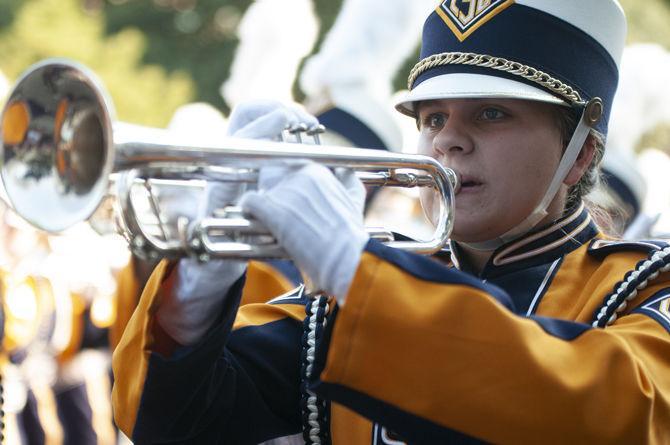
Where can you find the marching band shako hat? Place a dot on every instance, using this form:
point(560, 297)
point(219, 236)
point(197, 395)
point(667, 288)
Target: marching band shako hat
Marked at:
point(564, 52)
point(557, 51)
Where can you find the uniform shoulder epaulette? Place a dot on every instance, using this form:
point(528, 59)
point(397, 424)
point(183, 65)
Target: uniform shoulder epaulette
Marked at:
point(601, 248)
point(626, 290)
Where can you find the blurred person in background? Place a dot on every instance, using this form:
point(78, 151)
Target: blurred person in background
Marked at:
point(352, 100)
point(532, 316)
point(58, 380)
point(274, 37)
point(640, 106)
point(622, 195)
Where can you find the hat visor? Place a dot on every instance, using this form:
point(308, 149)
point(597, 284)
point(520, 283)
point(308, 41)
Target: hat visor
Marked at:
point(471, 86)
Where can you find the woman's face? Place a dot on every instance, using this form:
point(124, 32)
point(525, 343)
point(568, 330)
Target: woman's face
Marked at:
point(506, 152)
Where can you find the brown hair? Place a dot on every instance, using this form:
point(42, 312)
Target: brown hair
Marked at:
point(567, 120)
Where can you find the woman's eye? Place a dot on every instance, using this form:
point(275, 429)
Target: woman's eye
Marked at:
point(490, 114)
point(433, 121)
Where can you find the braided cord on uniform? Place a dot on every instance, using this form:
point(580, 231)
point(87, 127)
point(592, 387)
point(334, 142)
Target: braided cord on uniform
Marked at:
point(2, 411)
point(496, 63)
point(626, 290)
point(316, 429)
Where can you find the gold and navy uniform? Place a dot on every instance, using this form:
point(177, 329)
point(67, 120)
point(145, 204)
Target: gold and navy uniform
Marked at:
point(423, 352)
point(264, 278)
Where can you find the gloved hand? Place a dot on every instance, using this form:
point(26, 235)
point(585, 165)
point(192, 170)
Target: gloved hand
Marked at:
point(265, 119)
point(317, 217)
point(198, 295)
point(200, 288)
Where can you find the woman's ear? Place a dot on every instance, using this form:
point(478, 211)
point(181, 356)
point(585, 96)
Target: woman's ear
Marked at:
point(582, 163)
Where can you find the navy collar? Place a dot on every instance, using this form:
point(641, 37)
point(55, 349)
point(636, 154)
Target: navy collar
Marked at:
point(537, 247)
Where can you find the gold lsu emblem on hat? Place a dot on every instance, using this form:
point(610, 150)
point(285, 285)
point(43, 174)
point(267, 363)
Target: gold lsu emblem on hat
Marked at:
point(464, 17)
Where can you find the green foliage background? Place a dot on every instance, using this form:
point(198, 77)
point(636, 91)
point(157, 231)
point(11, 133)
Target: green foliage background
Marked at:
point(154, 55)
point(36, 29)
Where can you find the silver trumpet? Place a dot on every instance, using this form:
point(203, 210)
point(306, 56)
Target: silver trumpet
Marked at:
point(61, 145)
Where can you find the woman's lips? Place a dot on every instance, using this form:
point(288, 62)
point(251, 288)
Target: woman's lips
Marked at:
point(469, 184)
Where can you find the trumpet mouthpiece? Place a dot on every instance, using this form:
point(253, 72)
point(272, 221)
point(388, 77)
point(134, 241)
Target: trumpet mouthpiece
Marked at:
point(455, 180)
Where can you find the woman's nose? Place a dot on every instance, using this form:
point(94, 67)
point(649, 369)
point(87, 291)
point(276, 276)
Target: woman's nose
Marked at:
point(453, 139)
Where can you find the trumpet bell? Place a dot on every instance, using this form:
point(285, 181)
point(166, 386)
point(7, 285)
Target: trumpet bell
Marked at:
point(57, 149)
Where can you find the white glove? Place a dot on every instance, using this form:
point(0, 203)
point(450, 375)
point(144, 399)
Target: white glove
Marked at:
point(265, 119)
point(317, 218)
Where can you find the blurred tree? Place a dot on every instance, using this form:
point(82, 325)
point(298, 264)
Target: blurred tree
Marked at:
point(8, 10)
point(197, 36)
point(648, 21)
point(61, 28)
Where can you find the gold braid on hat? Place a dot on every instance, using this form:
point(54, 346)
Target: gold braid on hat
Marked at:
point(497, 63)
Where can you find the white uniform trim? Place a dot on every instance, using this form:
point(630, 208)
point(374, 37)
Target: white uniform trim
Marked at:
point(501, 259)
point(543, 286)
